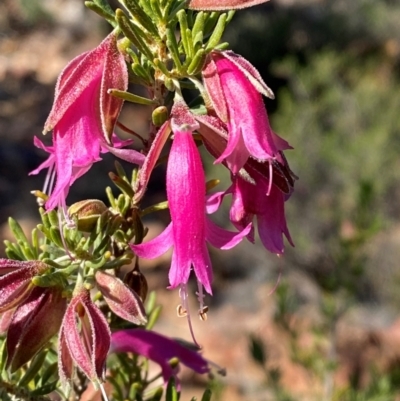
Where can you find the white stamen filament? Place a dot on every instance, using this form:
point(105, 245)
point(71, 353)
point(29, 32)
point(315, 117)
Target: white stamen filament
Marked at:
point(270, 177)
point(185, 306)
point(103, 391)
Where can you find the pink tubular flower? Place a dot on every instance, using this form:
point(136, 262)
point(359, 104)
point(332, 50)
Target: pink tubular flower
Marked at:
point(235, 89)
point(159, 349)
point(249, 200)
point(86, 344)
point(83, 117)
point(189, 229)
point(258, 191)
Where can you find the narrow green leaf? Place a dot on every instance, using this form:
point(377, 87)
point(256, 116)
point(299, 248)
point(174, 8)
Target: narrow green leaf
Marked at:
point(171, 392)
point(207, 395)
point(218, 32)
point(17, 230)
point(33, 369)
point(155, 314)
point(104, 14)
point(130, 97)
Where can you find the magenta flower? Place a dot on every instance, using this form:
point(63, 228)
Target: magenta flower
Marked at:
point(267, 205)
point(258, 191)
point(159, 349)
point(189, 229)
point(84, 339)
point(235, 89)
point(83, 117)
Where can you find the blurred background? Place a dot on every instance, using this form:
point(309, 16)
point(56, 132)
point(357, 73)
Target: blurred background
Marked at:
point(331, 329)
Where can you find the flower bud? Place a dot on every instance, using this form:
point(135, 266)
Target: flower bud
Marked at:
point(137, 282)
point(16, 285)
point(33, 324)
point(123, 301)
point(84, 338)
point(87, 212)
point(159, 116)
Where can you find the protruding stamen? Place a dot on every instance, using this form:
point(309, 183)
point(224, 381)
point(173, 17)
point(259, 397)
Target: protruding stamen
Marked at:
point(60, 225)
point(49, 180)
point(203, 313)
point(185, 308)
point(278, 280)
point(181, 311)
point(271, 172)
point(103, 391)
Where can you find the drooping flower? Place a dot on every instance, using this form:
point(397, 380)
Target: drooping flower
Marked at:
point(159, 349)
point(83, 117)
point(235, 89)
point(31, 315)
point(84, 339)
point(189, 229)
point(33, 324)
point(258, 191)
